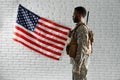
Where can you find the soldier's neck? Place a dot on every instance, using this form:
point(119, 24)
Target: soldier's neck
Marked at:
point(81, 21)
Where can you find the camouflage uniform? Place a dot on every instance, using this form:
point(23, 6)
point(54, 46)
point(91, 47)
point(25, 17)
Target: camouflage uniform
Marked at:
point(79, 63)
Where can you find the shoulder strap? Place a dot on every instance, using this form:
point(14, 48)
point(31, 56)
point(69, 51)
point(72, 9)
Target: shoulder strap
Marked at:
point(74, 30)
point(78, 26)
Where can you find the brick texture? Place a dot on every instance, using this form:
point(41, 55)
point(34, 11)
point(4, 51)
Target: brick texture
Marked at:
point(19, 63)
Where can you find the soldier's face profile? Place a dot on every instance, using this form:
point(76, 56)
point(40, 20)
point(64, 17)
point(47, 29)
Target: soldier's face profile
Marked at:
point(75, 17)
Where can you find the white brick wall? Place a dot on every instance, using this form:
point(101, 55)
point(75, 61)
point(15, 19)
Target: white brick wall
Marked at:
point(19, 63)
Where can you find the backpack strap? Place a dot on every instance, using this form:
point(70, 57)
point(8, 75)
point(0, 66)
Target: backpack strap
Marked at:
point(74, 30)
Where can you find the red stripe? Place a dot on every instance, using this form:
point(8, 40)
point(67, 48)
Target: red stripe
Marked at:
point(51, 39)
point(35, 49)
point(60, 31)
point(47, 43)
point(58, 25)
point(28, 40)
point(60, 37)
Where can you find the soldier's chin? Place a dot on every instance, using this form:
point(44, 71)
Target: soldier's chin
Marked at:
point(75, 21)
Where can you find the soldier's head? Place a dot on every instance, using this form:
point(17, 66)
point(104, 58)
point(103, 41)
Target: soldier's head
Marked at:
point(79, 13)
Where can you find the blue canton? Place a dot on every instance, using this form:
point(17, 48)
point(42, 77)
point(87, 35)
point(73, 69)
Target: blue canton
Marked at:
point(27, 18)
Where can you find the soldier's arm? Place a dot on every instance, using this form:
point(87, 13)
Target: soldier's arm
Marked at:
point(82, 41)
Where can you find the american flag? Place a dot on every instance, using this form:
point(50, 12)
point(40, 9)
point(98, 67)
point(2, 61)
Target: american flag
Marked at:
point(40, 34)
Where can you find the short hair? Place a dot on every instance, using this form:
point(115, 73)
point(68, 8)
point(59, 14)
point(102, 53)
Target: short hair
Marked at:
point(81, 10)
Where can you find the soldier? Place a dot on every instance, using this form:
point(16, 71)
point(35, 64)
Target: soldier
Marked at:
point(80, 45)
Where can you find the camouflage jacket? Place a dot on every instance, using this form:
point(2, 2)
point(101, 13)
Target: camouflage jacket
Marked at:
point(81, 34)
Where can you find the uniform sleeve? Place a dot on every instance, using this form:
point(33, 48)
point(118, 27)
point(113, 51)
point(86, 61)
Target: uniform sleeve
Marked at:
point(82, 41)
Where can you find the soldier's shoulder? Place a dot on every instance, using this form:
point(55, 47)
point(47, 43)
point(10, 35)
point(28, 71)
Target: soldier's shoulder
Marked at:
point(83, 27)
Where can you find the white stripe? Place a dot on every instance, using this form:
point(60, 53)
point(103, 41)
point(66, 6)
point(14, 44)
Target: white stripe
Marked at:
point(39, 37)
point(51, 31)
point(37, 42)
point(50, 36)
point(53, 26)
point(35, 47)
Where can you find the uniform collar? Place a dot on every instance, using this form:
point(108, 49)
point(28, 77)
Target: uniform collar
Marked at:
point(80, 23)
